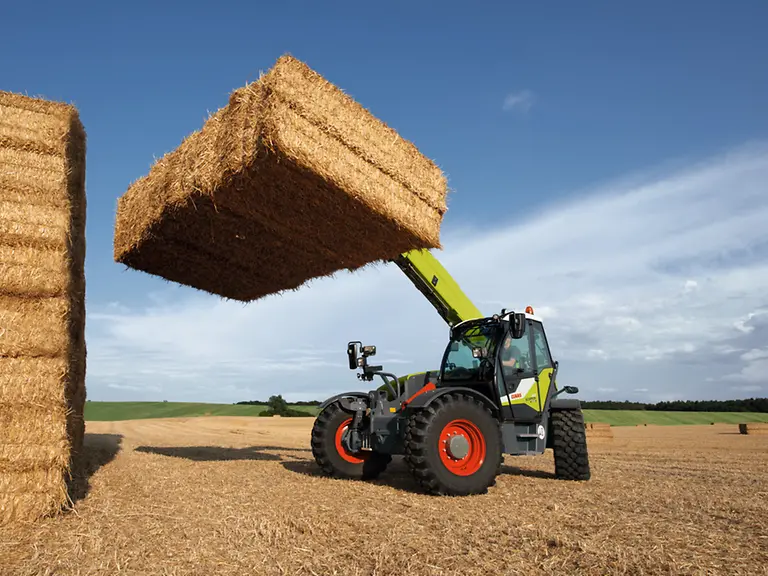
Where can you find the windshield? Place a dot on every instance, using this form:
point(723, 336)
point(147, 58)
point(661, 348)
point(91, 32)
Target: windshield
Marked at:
point(460, 363)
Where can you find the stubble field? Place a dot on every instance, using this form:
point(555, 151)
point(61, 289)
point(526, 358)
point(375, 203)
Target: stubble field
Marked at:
point(227, 495)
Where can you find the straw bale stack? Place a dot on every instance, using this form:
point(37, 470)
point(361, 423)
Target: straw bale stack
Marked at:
point(291, 180)
point(599, 430)
point(754, 428)
point(42, 303)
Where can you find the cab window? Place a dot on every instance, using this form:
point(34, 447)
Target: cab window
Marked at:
point(543, 359)
point(515, 354)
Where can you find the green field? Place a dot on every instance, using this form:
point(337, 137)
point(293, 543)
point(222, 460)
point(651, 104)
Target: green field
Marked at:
point(111, 411)
point(652, 417)
point(139, 410)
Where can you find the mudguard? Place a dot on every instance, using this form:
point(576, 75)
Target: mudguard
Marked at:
point(333, 399)
point(425, 399)
point(565, 404)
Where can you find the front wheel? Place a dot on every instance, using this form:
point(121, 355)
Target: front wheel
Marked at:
point(569, 444)
point(331, 455)
point(453, 446)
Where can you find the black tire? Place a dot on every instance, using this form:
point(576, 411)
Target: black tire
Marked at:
point(569, 444)
point(327, 453)
point(422, 448)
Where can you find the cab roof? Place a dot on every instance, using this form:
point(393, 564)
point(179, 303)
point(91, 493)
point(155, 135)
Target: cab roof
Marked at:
point(528, 316)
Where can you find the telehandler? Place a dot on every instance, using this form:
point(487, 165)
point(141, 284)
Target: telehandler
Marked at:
point(495, 393)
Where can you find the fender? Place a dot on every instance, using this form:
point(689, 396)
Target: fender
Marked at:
point(425, 399)
point(565, 404)
point(333, 399)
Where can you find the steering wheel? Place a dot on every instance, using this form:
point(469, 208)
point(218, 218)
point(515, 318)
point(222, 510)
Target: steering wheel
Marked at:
point(460, 372)
point(485, 371)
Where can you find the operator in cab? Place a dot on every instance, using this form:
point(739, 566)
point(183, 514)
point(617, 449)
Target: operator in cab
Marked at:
point(511, 356)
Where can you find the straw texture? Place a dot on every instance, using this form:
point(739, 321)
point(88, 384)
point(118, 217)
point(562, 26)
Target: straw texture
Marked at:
point(292, 180)
point(42, 303)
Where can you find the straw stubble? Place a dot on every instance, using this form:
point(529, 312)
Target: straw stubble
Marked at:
point(292, 180)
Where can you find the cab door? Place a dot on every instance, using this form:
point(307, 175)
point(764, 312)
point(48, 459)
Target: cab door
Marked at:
point(543, 362)
point(516, 382)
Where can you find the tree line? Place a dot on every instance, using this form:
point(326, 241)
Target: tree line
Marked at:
point(743, 405)
point(266, 402)
point(277, 405)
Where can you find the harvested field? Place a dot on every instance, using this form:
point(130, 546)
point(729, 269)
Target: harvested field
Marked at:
point(42, 303)
point(227, 495)
point(292, 180)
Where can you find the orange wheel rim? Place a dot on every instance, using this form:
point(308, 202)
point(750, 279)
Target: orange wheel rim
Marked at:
point(462, 447)
point(343, 452)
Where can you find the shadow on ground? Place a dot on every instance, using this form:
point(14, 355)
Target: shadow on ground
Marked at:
point(98, 450)
point(218, 453)
point(395, 476)
point(515, 471)
point(300, 461)
point(399, 477)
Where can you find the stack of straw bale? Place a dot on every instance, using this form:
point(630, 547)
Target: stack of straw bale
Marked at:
point(42, 303)
point(599, 430)
point(292, 180)
point(754, 428)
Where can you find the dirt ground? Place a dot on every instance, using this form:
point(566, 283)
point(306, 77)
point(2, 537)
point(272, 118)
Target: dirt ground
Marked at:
point(222, 495)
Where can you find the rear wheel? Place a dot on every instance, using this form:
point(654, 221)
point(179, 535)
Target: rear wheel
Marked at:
point(569, 444)
point(331, 455)
point(453, 446)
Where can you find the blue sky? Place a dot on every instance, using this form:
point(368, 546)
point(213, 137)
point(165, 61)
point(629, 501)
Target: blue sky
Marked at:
point(613, 155)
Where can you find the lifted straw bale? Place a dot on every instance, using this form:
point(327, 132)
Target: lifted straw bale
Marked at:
point(292, 180)
point(42, 303)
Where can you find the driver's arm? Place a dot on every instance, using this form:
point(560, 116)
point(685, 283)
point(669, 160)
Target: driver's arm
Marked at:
point(509, 361)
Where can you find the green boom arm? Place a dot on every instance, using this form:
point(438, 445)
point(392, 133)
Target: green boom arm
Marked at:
point(437, 285)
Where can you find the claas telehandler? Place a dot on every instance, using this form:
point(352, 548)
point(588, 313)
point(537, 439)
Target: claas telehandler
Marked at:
point(495, 393)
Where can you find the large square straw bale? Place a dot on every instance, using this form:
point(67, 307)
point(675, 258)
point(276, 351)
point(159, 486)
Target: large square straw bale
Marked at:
point(290, 181)
point(42, 303)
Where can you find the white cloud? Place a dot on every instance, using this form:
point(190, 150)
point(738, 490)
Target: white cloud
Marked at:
point(522, 100)
point(597, 353)
point(690, 285)
point(666, 278)
point(755, 371)
point(755, 354)
point(750, 321)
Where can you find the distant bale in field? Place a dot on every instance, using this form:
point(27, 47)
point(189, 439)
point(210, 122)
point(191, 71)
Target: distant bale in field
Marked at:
point(754, 428)
point(42, 303)
point(292, 180)
point(599, 430)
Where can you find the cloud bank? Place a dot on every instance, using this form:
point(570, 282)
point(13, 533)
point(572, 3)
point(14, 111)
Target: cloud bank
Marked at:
point(651, 289)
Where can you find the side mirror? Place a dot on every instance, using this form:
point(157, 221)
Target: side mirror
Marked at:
point(454, 346)
point(352, 355)
point(518, 325)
